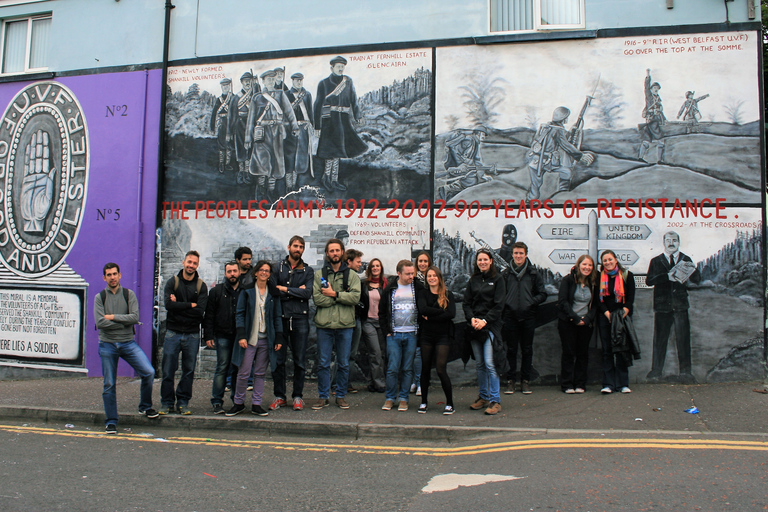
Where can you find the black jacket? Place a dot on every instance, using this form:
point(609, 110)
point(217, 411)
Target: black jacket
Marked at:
point(524, 293)
point(294, 302)
point(219, 321)
point(439, 321)
point(364, 305)
point(385, 305)
point(565, 311)
point(182, 317)
point(668, 296)
point(484, 298)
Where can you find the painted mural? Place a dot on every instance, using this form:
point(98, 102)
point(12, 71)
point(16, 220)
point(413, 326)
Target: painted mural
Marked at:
point(75, 195)
point(634, 144)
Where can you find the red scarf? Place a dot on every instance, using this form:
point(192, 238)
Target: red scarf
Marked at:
point(618, 285)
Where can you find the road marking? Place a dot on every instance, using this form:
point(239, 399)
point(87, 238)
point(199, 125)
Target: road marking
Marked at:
point(452, 481)
point(477, 449)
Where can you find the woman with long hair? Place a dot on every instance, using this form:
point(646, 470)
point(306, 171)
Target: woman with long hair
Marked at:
point(483, 303)
point(372, 287)
point(616, 291)
point(576, 317)
point(436, 309)
point(423, 262)
point(259, 331)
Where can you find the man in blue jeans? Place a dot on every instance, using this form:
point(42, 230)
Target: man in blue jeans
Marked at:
point(219, 329)
point(185, 297)
point(336, 292)
point(399, 320)
point(116, 311)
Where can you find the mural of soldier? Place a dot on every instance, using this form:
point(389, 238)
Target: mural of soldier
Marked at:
point(508, 237)
point(463, 163)
point(668, 273)
point(335, 113)
point(690, 111)
point(268, 113)
point(280, 79)
point(653, 113)
point(553, 151)
point(219, 122)
point(238, 119)
point(297, 149)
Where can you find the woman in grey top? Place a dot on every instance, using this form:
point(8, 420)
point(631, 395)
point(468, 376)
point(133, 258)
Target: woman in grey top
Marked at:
point(576, 313)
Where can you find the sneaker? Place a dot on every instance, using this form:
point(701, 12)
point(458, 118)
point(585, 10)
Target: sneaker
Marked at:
point(227, 389)
point(418, 391)
point(413, 388)
point(258, 410)
point(277, 403)
point(249, 388)
point(526, 388)
point(218, 409)
point(235, 410)
point(343, 404)
point(606, 390)
point(298, 404)
point(479, 404)
point(150, 413)
point(625, 389)
point(448, 410)
point(578, 391)
point(422, 408)
point(167, 410)
point(510, 388)
point(494, 408)
point(320, 403)
point(351, 390)
point(402, 406)
point(111, 429)
point(185, 410)
point(569, 391)
point(387, 405)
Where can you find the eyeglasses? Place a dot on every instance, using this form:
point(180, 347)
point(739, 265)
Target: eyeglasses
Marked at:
point(264, 270)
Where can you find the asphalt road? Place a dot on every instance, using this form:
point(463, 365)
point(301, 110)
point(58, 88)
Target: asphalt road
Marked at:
point(55, 467)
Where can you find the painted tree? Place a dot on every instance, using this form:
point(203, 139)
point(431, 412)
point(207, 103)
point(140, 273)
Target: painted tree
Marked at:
point(482, 94)
point(606, 109)
point(531, 117)
point(733, 110)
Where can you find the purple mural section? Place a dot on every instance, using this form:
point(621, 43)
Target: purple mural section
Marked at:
point(116, 211)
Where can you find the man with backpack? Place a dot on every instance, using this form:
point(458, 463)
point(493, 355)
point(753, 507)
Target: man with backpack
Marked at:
point(185, 297)
point(336, 292)
point(116, 311)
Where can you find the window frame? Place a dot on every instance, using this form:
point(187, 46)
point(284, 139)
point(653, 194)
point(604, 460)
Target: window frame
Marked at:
point(538, 26)
point(30, 19)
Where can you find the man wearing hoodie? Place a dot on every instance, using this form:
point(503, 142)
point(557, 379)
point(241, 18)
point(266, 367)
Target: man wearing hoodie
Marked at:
point(185, 297)
point(336, 292)
point(525, 291)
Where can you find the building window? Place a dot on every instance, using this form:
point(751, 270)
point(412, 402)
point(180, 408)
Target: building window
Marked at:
point(25, 44)
point(532, 15)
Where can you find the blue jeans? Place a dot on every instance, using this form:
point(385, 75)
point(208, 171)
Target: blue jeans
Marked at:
point(401, 347)
point(326, 340)
point(417, 367)
point(110, 354)
point(295, 333)
point(188, 343)
point(224, 348)
point(487, 378)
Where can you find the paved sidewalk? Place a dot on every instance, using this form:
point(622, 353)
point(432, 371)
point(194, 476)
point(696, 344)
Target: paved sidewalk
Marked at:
point(732, 408)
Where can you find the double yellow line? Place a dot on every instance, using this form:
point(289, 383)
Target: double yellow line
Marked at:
point(477, 449)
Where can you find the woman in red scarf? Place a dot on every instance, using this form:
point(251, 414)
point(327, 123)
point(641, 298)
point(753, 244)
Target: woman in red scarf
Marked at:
point(617, 295)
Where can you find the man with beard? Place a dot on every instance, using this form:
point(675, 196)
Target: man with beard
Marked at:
point(238, 118)
point(219, 329)
point(297, 151)
point(265, 132)
point(669, 274)
point(336, 113)
point(336, 292)
point(291, 282)
point(244, 256)
point(219, 122)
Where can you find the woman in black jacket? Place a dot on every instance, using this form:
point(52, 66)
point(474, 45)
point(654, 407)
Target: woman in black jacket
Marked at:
point(436, 309)
point(617, 295)
point(373, 337)
point(483, 303)
point(576, 316)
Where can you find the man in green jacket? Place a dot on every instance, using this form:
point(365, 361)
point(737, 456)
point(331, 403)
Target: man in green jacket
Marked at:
point(336, 291)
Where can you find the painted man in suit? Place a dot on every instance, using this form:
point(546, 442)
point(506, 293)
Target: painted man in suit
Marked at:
point(669, 274)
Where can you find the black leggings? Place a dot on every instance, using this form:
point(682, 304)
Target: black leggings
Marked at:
point(433, 349)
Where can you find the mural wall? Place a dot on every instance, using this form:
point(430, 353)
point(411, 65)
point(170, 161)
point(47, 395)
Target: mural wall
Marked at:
point(569, 146)
point(78, 164)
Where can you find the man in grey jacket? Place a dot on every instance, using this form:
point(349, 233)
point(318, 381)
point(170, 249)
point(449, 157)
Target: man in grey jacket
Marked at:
point(116, 311)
